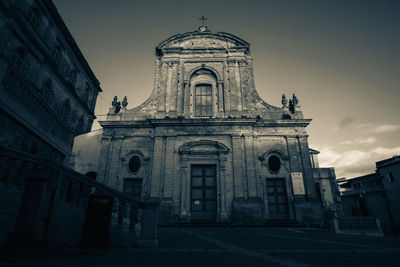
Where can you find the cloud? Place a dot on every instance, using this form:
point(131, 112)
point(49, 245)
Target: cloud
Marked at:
point(383, 128)
point(386, 128)
point(344, 122)
point(359, 140)
point(354, 163)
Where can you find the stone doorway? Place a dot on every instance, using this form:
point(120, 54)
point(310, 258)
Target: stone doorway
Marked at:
point(203, 193)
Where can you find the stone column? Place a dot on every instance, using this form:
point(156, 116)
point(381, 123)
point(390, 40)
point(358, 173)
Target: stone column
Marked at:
point(220, 99)
point(227, 95)
point(238, 87)
point(240, 186)
point(222, 173)
point(156, 170)
point(104, 160)
point(114, 163)
point(250, 166)
point(244, 84)
point(185, 211)
point(169, 170)
point(232, 91)
point(186, 100)
point(308, 178)
point(181, 94)
point(162, 89)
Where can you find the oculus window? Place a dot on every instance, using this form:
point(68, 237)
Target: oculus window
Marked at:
point(274, 163)
point(134, 164)
point(203, 100)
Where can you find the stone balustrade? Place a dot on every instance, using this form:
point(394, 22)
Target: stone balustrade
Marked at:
point(43, 203)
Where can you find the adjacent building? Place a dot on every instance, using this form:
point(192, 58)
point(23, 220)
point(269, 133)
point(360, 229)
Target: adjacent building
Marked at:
point(375, 194)
point(326, 186)
point(47, 89)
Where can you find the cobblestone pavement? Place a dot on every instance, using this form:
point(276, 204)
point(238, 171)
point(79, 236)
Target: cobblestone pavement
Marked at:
point(231, 247)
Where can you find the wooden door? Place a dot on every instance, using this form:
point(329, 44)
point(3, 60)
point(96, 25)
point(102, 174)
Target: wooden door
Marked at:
point(277, 199)
point(203, 193)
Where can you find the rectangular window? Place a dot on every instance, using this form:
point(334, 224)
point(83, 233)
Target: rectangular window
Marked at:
point(133, 187)
point(203, 100)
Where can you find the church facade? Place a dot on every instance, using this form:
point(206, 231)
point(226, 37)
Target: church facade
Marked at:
point(206, 145)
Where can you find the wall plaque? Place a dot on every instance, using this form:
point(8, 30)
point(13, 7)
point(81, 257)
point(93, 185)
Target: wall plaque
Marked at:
point(298, 184)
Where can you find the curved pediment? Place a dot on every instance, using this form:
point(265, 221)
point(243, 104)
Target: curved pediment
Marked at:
point(203, 147)
point(207, 40)
point(277, 152)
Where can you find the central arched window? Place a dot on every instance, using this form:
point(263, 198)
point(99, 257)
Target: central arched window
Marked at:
point(203, 100)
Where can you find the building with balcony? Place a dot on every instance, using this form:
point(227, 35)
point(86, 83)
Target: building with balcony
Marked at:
point(47, 89)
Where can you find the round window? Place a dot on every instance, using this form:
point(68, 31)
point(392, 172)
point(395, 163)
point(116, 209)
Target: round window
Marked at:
point(274, 163)
point(134, 164)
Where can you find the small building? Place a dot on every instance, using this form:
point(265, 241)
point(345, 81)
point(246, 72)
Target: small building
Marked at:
point(375, 194)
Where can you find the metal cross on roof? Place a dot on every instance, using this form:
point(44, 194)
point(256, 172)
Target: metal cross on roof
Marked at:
point(203, 19)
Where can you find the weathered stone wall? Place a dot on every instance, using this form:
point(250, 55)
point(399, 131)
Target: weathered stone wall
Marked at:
point(241, 184)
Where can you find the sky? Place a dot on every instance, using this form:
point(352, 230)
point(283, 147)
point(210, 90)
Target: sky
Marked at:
point(340, 58)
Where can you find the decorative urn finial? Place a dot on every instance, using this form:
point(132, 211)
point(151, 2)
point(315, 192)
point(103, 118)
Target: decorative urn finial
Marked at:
point(115, 101)
point(284, 100)
point(124, 102)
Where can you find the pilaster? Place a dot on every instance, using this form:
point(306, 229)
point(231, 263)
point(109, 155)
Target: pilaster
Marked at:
point(185, 211)
point(240, 186)
point(250, 166)
point(224, 217)
point(169, 170)
point(186, 103)
point(220, 99)
point(156, 174)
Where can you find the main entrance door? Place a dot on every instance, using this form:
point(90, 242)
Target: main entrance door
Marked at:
point(277, 199)
point(204, 193)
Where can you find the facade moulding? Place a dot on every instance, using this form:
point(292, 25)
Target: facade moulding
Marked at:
point(71, 42)
point(47, 59)
point(188, 148)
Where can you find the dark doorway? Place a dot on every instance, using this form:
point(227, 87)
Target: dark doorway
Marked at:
point(204, 193)
point(97, 223)
point(277, 199)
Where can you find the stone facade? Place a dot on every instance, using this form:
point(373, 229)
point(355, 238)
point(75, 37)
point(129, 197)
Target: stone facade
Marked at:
point(47, 89)
point(206, 144)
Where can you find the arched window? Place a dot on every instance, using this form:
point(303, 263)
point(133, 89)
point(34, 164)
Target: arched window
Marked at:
point(203, 100)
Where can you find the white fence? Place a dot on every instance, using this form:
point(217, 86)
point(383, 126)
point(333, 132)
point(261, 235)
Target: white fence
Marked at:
point(359, 225)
